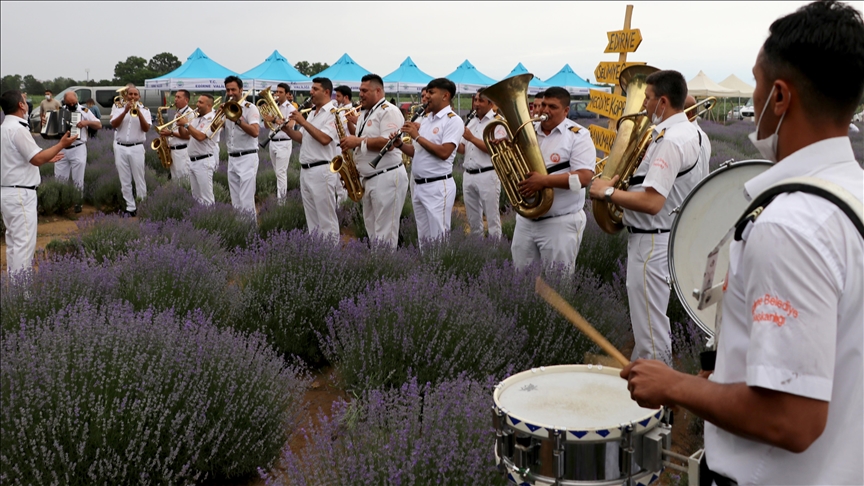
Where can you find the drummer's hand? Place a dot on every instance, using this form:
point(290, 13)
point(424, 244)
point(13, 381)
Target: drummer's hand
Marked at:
point(599, 186)
point(648, 381)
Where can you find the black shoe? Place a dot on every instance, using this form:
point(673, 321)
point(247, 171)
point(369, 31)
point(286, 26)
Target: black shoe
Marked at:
point(132, 213)
point(77, 208)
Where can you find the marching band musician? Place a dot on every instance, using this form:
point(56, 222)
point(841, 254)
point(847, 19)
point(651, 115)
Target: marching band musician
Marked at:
point(704, 142)
point(178, 142)
point(433, 150)
point(570, 158)
point(130, 132)
point(281, 145)
point(343, 100)
point(319, 145)
point(203, 151)
point(481, 187)
point(343, 96)
point(242, 142)
point(784, 403)
point(668, 172)
point(75, 156)
point(20, 159)
point(385, 185)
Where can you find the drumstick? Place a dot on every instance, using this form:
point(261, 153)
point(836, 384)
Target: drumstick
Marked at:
point(561, 305)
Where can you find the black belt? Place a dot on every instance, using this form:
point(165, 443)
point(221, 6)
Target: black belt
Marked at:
point(479, 171)
point(178, 147)
point(75, 145)
point(32, 188)
point(541, 218)
point(639, 231)
point(280, 140)
point(199, 157)
point(707, 477)
point(557, 167)
point(129, 144)
point(382, 171)
point(433, 179)
point(241, 154)
point(313, 164)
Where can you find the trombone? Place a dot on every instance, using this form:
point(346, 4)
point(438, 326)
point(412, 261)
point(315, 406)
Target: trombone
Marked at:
point(185, 115)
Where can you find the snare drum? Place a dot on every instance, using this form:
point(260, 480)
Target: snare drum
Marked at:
point(711, 208)
point(576, 425)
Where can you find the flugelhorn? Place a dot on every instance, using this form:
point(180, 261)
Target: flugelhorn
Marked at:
point(231, 110)
point(120, 98)
point(185, 115)
point(519, 154)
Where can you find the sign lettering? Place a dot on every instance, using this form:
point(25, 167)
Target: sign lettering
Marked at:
point(609, 72)
point(602, 137)
point(607, 104)
point(623, 40)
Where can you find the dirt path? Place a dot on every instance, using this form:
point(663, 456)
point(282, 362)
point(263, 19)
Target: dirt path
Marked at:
point(50, 228)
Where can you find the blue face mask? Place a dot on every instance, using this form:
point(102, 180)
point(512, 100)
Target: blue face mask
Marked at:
point(767, 147)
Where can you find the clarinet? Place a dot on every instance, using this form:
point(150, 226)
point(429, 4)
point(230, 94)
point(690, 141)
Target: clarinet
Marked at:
point(471, 115)
point(399, 135)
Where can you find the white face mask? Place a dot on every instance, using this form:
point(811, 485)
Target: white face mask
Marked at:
point(767, 147)
point(655, 119)
point(48, 97)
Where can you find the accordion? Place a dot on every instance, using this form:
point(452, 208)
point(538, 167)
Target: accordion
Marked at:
point(57, 123)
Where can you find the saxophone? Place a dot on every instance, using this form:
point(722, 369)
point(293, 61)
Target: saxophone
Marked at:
point(160, 145)
point(344, 165)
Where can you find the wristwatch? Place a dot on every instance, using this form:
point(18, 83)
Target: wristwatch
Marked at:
point(607, 194)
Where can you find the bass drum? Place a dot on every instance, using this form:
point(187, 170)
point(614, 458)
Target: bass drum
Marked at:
point(703, 219)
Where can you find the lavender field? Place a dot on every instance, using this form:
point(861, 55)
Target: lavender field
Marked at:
point(178, 347)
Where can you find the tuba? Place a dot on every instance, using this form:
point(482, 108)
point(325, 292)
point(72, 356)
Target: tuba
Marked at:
point(628, 149)
point(344, 165)
point(519, 154)
point(160, 145)
point(267, 106)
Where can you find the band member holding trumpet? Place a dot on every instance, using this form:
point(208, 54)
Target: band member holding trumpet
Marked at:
point(131, 123)
point(319, 145)
point(668, 172)
point(386, 184)
point(203, 149)
point(481, 187)
point(281, 145)
point(75, 156)
point(178, 142)
point(242, 141)
point(570, 158)
point(784, 403)
point(704, 142)
point(433, 150)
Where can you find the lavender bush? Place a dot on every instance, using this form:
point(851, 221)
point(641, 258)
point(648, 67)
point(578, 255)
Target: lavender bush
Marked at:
point(419, 326)
point(600, 252)
point(350, 215)
point(181, 234)
point(284, 215)
point(112, 396)
point(169, 201)
point(56, 197)
point(464, 254)
point(234, 229)
point(101, 237)
point(412, 435)
point(265, 183)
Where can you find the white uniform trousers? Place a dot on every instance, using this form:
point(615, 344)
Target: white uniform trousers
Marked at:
point(130, 165)
point(242, 172)
point(73, 163)
point(383, 199)
point(481, 193)
point(433, 207)
point(318, 189)
point(179, 165)
point(553, 240)
point(19, 216)
point(280, 155)
point(648, 293)
point(201, 179)
point(341, 194)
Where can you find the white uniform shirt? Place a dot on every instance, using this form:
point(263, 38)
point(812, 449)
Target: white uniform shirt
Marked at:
point(18, 147)
point(209, 146)
point(440, 128)
point(175, 141)
point(474, 157)
point(236, 139)
point(85, 116)
point(704, 151)
point(312, 151)
point(379, 121)
point(676, 151)
point(568, 142)
point(129, 130)
point(792, 322)
point(285, 109)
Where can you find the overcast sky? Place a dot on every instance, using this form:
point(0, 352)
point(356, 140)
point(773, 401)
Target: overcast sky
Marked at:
point(719, 38)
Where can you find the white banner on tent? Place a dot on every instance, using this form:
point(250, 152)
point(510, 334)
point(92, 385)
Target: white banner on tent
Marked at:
point(190, 84)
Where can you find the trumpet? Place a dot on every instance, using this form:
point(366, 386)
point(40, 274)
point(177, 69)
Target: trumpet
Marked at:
point(185, 115)
point(230, 110)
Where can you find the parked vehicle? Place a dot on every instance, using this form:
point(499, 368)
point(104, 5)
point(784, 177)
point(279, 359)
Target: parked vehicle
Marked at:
point(579, 109)
point(104, 98)
point(747, 111)
point(735, 113)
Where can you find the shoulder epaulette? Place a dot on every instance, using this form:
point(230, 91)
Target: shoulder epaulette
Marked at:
point(451, 115)
point(575, 129)
point(85, 110)
point(25, 125)
point(660, 137)
point(248, 104)
point(385, 105)
point(498, 117)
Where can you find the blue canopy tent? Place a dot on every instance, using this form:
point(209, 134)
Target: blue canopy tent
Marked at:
point(570, 81)
point(345, 71)
point(274, 70)
point(535, 86)
point(408, 77)
point(468, 79)
point(199, 72)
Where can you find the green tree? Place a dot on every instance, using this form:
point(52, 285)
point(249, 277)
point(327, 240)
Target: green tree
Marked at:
point(11, 81)
point(58, 84)
point(318, 67)
point(307, 69)
point(132, 70)
point(33, 85)
point(163, 63)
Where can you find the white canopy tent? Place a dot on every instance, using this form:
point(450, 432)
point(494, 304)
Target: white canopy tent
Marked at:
point(702, 86)
point(733, 82)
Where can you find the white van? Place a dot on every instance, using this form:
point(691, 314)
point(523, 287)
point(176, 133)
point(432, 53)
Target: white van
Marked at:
point(104, 98)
